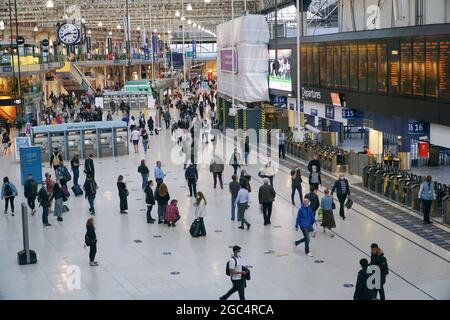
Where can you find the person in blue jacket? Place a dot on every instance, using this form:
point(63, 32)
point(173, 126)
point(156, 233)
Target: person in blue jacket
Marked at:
point(9, 192)
point(305, 220)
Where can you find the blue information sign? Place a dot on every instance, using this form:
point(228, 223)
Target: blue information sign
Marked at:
point(30, 162)
point(278, 100)
point(418, 128)
point(314, 112)
point(329, 112)
point(348, 113)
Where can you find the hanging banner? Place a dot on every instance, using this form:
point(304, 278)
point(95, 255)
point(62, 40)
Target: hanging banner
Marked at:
point(110, 48)
point(154, 47)
point(194, 49)
point(423, 149)
point(227, 57)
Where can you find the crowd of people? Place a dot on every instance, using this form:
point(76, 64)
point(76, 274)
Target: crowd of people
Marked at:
point(195, 120)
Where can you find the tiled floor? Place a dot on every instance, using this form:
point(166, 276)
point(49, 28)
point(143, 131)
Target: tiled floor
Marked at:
point(195, 268)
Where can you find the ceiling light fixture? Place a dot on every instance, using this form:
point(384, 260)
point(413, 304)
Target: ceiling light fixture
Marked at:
point(100, 24)
point(177, 13)
point(207, 1)
point(189, 21)
point(82, 20)
point(35, 29)
point(89, 31)
point(189, 7)
point(199, 27)
point(154, 30)
point(50, 4)
point(118, 26)
point(2, 25)
point(194, 24)
point(138, 28)
point(183, 18)
point(110, 33)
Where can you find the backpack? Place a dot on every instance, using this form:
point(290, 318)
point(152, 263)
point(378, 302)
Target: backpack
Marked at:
point(227, 269)
point(8, 190)
point(67, 175)
point(56, 161)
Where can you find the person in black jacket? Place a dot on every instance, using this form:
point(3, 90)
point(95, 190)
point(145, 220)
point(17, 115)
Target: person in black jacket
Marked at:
point(315, 202)
point(123, 194)
point(162, 196)
point(90, 240)
point(377, 258)
point(144, 171)
point(44, 200)
point(89, 166)
point(90, 188)
point(150, 201)
point(342, 190)
point(31, 193)
point(362, 292)
point(191, 176)
point(314, 162)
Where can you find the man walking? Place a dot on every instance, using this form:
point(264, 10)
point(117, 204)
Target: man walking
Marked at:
point(342, 190)
point(281, 144)
point(426, 196)
point(216, 168)
point(90, 188)
point(236, 272)
point(266, 197)
point(242, 205)
point(234, 187)
point(55, 161)
point(44, 199)
point(31, 193)
point(89, 167)
point(305, 220)
point(75, 166)
point(378, 259)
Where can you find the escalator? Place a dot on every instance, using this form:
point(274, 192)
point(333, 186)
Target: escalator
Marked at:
point(72, 79)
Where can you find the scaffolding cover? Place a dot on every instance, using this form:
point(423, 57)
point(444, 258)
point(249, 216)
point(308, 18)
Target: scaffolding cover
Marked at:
point(249, 35)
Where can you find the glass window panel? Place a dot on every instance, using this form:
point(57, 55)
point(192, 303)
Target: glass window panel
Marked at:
point(323, 66)
point(330, 75)
point(316, 66)
point(309, 66)
point(362, 67)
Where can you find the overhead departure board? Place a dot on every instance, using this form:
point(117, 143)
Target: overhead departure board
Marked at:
point(418, 68)
point(323, 66)
point(353, 66)
point(362, 67)
point(372, 67)
point(382, 68)
point(337, 66)
point(444, 70)
point(345, 54)
point(330, 78)
point(316, 66)
point(431, 63)
point(406, 68)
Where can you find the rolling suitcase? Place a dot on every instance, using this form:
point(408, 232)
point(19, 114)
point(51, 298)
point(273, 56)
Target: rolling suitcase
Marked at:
point(76, 189)
point(195, 229)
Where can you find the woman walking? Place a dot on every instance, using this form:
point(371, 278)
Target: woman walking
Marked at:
point(90, 240)
point(123, 194)
point(314, 178)
point(327, 204)
point(200, 212)
point(144, 171)
point(9, 192)
point(144, 136)
point(150, 201)
point(296, 179)
point(162, 197)
point(59, 197)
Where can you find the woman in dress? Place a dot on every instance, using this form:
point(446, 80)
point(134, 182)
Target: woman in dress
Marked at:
point(123, 194)
point(326, 204)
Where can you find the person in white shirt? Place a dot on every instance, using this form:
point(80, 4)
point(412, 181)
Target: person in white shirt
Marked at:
point(268, 172)
point(242, 205)
point(234, 266)
point(205, 130)
point(200, 212)
point(135, 136)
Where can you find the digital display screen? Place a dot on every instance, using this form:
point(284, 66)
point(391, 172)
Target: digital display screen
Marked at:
point(335, 99)
point(280, 77)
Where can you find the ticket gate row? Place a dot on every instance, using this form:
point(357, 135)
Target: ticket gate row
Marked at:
point(333, 159)
point(403, 187)
point(82, 139)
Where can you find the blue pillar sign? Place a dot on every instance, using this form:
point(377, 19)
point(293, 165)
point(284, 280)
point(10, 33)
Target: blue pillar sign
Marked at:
point(194, 49)
point(146, 50)
point(30, 163)
point(154, 47)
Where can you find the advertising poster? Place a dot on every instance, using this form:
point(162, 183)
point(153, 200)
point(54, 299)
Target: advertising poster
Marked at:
point(280, 77)
point(31, 162)
point(20, 142)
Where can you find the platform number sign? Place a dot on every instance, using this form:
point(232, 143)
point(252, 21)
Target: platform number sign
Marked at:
point(348, 113)
point(418, 127)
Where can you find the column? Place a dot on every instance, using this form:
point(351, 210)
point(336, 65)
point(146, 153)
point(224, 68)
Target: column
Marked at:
point(376, 144)
point(404, 153)
point(123, 74)
point(105, 75)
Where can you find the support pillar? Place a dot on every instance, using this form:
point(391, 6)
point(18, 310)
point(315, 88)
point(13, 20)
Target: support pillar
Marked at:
point(105, 75)
point(376, 144)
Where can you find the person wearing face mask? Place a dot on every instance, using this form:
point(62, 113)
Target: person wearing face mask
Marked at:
point(314, 178)
point(305, 220)
point(426, 196)
point(342, 189)
point(237, 272)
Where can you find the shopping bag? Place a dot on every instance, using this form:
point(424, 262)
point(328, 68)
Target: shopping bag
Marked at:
point(349, 203)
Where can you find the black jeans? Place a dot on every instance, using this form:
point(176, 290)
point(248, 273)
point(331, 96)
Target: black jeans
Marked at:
point(341, 198)
point(167, 124)
point(149, 212)
point(192, 184)
point(426, 208)
point(31, 203)
point(238, 285)
point(381, 292)
point(267, 212)
point(92, 251)
point(241, 213)
point(10, 200)
point(281, 151)
point(76, 175)
point(235, 167)
point(305, 239)
point(202, 227)
point(215, 175)
point(91, 203)
point(299, 189)
point(44, 215)
point(123, 203)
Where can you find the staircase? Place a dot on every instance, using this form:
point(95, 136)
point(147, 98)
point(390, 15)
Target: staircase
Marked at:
point(72, 79)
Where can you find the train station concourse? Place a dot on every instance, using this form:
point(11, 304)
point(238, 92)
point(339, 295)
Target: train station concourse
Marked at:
point(219, 150)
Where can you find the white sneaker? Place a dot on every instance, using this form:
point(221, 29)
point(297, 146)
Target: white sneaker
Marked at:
point(310, 255)
point(93, 264)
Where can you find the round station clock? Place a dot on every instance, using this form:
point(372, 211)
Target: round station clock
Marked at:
point(68, 34)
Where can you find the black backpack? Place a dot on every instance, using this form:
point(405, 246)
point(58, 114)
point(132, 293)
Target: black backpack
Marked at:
point(8, 190)
point(227, 269)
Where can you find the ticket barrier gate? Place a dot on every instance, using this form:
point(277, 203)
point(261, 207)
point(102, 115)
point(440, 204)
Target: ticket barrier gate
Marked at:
point(415, 201)
point(366, 176)
point(446, 208)
point(371, 180)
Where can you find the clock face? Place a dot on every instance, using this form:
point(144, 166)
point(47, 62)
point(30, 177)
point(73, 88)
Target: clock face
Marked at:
point(69, 33)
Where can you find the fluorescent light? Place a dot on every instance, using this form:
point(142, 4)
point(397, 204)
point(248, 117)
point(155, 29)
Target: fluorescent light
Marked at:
point(2, 25)
point(183, 18)
point(50, 4)
point(118, 26)
point(207, 1)
point(189, 21)
point(177, 13)
point(100, 24)
point(194, 24)
point(189, 7)
point(35, 29)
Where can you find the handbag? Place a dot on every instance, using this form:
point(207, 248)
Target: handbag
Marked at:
point(349, 203)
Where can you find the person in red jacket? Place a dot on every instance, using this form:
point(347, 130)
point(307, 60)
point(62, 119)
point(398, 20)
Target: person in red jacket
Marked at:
point(172, 214)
